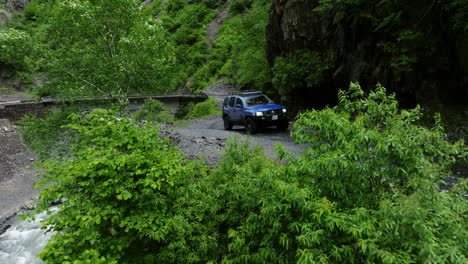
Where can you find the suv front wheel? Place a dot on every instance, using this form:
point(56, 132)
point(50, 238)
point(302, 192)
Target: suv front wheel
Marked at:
point(250, 126)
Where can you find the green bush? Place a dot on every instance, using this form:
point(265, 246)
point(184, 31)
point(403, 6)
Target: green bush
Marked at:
point(120, 183)
point(366, 190)
point(206, 108)
point(366, 149)
point(239, 6)
point(47, 136)
point(154, 111)
point(15, 47)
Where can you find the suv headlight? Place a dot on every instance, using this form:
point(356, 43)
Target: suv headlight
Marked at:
point(284, 110)
point(258, 113)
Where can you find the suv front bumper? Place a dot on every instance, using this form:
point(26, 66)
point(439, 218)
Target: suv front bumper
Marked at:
point(270, 119)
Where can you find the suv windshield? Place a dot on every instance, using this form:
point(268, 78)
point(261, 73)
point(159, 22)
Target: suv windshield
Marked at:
point(258, 100)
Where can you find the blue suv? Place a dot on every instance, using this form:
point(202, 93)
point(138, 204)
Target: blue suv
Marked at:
point(253, 110)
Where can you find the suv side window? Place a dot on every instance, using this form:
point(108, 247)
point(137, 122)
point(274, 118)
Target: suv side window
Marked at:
point(231, 101)
point(238, 102)
point(225, 101)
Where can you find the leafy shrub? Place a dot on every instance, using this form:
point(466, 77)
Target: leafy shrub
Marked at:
point(206, 108)
point(298, 71)
point(239, 6)
point(381, 149)
point(120, 183)
point(153, 110)
point(365, 191)
point(15, 46)
point(47, 136)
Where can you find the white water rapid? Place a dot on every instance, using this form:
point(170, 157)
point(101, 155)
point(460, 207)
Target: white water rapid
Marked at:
point(23, 241)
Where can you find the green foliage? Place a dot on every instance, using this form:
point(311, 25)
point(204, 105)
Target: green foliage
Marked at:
point(239, 53)
point(121, 184)
point(15, 48)
point(365, 191)
point(153, 110)
point(186, 22)
point(303, 69)
point(47, 136)
point(107, 48)
point(366, 149)
point(206, 108)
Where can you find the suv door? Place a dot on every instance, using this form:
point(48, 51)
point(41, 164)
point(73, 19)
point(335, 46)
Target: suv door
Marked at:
point(236, 111)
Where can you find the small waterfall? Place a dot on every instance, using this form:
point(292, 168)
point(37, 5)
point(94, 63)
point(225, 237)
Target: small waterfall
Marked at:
point(23, 241)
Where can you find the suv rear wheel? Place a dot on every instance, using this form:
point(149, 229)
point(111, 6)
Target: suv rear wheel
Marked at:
point(250, 126)
point(227, 123)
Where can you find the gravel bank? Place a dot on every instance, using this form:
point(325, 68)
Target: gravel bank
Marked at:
point(16, 177)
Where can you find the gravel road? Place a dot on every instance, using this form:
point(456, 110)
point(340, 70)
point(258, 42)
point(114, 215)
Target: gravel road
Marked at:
point(205, 138)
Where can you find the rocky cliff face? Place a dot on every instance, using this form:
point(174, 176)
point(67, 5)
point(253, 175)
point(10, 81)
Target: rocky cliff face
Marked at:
point(7, 7)
point(353, 51)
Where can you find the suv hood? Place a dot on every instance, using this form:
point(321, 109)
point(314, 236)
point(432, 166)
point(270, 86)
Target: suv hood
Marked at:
point(265, 107)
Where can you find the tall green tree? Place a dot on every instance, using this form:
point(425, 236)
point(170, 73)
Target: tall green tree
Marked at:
point(106, 47)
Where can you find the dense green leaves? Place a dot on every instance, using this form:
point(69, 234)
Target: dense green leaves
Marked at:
point(15, 47)
point(366, 149)
point(239, 54)
point(365, 191)
point(297, 71)
point(107, 48)
point(206, 108)
point(120, 185)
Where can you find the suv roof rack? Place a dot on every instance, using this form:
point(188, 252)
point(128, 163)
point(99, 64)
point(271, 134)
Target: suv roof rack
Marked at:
point(245, 92)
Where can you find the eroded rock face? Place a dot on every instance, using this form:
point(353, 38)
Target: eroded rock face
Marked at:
point(15, 5)
point(7, 7)
point(352, 52)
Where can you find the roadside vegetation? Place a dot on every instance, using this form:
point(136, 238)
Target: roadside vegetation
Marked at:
point(70, 49)
point(153, 111)
point(50, 136)
point(366, 191)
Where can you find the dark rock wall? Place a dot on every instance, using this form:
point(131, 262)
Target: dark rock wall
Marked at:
point(351, 50)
